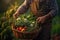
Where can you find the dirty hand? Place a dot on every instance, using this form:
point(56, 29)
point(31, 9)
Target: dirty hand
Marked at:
point(41, 19)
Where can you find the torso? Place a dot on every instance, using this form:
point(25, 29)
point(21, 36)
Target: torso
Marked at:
point(39, 7)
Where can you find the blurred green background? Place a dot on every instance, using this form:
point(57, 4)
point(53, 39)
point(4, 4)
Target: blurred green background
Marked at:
point(8, 8)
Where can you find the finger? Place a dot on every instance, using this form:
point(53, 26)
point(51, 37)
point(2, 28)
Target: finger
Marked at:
point(37, 19)
point(13, 15)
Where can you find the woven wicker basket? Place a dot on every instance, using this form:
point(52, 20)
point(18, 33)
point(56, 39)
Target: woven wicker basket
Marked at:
point(25, 35)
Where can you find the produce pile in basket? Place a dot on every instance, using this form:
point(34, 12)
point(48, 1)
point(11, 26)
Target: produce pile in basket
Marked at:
point(25, 23)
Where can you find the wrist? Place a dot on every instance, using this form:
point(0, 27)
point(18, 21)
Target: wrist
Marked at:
point(48, 16)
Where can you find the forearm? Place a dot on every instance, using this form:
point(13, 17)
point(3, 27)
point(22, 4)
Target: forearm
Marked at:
point(51, 14)
point(23, 8)
point(54, 10)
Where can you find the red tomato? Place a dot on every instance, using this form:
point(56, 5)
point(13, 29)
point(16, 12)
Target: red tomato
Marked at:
point(21, 28)
point(18, 29)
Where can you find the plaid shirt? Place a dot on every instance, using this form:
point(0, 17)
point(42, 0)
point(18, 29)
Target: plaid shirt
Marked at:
point(44, 7)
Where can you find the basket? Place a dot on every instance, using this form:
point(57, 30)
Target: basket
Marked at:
point(26, 35)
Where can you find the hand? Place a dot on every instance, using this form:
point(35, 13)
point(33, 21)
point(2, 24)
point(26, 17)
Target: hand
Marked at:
point(16, 15)
point(41, 19)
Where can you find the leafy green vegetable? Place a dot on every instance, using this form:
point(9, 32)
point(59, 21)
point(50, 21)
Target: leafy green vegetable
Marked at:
point(27, 20)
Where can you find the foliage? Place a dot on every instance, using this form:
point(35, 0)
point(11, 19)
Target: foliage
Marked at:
point(6, 19)
point(27, 20)
point(5, 22)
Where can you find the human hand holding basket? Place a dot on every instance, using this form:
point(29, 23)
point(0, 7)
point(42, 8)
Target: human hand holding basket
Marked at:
point(30, 32)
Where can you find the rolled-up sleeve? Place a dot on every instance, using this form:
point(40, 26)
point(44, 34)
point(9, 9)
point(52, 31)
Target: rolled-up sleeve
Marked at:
point(24, 7)
point(53, 7)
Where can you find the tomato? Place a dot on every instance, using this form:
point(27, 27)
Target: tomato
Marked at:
point(19, 28)
point(23, 30)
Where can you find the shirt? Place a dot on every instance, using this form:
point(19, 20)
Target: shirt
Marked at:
point(44, 7)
